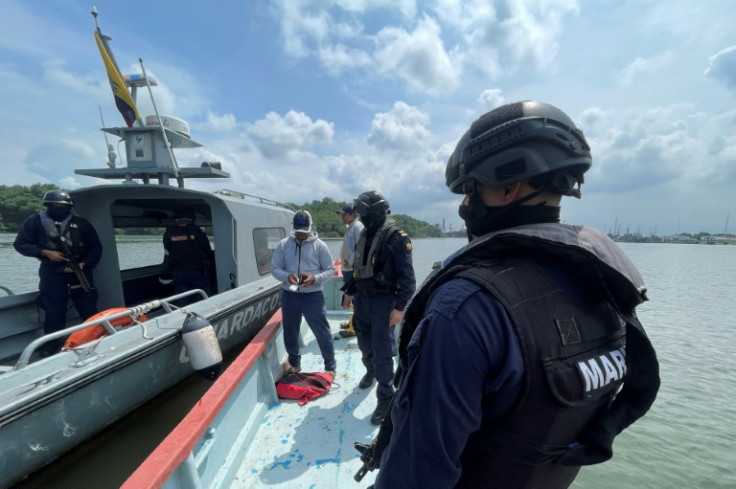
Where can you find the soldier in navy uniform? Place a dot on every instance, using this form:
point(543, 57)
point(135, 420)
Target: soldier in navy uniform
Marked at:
point(521, 358)
point(188, 252)
point(42, 236)
point(383, 278)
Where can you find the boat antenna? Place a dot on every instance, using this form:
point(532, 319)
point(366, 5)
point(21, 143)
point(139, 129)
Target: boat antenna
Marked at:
point(179, 179)
point(95, 14)
point(111, 155)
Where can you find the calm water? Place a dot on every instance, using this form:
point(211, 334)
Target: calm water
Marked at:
point(685, 441)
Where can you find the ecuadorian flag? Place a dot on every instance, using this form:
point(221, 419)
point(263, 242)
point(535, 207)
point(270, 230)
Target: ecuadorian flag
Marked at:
point(123, 100)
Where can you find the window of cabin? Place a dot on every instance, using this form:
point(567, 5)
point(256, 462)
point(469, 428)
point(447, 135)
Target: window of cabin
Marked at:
point(265, 241)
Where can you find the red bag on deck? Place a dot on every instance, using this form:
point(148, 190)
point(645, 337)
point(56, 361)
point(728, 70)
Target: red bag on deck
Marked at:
point(303, 386)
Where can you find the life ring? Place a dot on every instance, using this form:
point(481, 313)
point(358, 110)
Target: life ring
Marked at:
point(98, 330)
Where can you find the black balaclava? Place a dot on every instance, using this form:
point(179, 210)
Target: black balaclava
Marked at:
point(372, 222)
point(480, 219)
point(58, 212)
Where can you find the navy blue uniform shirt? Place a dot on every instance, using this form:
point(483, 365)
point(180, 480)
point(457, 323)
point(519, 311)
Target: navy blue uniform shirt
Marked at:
point(466, 364)
point(31, 239)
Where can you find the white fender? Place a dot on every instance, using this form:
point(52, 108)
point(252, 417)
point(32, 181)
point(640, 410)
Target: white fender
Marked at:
point(202, 347)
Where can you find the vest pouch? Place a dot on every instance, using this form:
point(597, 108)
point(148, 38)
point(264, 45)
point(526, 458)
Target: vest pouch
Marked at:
point(585, 378)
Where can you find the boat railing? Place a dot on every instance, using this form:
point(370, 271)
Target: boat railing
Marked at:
point(106, 322)
point(263, 200)
point(6, 290)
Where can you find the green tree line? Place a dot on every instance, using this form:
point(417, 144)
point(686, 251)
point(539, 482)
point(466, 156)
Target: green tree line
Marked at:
point(17, 202)
point(329, 223)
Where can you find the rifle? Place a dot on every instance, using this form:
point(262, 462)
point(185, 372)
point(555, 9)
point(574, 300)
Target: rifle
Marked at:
point(74, 265)
point(371, 454)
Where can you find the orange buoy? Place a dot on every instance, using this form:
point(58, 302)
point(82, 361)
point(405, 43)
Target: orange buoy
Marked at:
point(98, 330)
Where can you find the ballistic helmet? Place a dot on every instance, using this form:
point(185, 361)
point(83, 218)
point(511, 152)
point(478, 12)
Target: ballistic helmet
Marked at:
point(57, 197)
point(518, 141)
point(371, 203)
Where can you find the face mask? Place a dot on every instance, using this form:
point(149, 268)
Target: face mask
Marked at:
point(371, 222)
point(58, 213)
point(480, 219)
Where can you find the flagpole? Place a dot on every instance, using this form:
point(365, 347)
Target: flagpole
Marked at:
point(179, 180)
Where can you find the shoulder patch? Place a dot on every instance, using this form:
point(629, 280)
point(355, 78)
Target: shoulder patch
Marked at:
point(408, 246)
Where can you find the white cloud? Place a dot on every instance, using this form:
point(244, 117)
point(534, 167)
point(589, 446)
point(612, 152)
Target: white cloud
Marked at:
point(642, 67)
point(503, 38)
point(339, 58)
point(279, 137)
point(221, 123)
point(491, 98)
point(671, 146)
point(403, 129)
point(590, 118)
point(722, 67)
point(418, 58)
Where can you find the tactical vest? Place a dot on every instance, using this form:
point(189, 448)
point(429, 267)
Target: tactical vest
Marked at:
point(185, 253)
point(69, 230)
point(578, 352)
point(373, 271)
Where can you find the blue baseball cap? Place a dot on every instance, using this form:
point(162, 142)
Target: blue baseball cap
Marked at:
point(347, 209)
point(302, 222)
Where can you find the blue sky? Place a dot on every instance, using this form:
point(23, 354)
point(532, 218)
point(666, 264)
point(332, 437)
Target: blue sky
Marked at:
point(302, 99)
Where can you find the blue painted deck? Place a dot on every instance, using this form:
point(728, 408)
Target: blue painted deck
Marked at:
point(311, 446)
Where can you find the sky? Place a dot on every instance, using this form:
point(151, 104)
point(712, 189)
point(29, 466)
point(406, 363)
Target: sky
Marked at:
point(305, 99)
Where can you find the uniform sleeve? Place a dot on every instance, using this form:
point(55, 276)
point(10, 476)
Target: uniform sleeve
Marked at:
point(93, 244)
point(167, 240)
point(203, 241)
point(25, 242)
point(468, 350)
point(404, 269)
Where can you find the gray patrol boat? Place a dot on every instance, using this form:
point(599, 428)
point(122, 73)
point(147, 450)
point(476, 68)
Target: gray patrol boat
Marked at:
point(50, 405)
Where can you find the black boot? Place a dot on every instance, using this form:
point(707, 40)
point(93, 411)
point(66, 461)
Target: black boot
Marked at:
point(366, 381)
point(379, 413)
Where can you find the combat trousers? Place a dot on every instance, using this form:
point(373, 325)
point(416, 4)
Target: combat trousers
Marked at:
point(54, 292)
point(376, 340)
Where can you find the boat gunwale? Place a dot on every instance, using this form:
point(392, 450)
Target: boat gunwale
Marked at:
point(157, 468)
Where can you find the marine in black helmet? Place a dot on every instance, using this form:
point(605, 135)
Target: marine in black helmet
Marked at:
point(383, 278)
point(188, 254)
point(48, 236)
point(522, 357)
